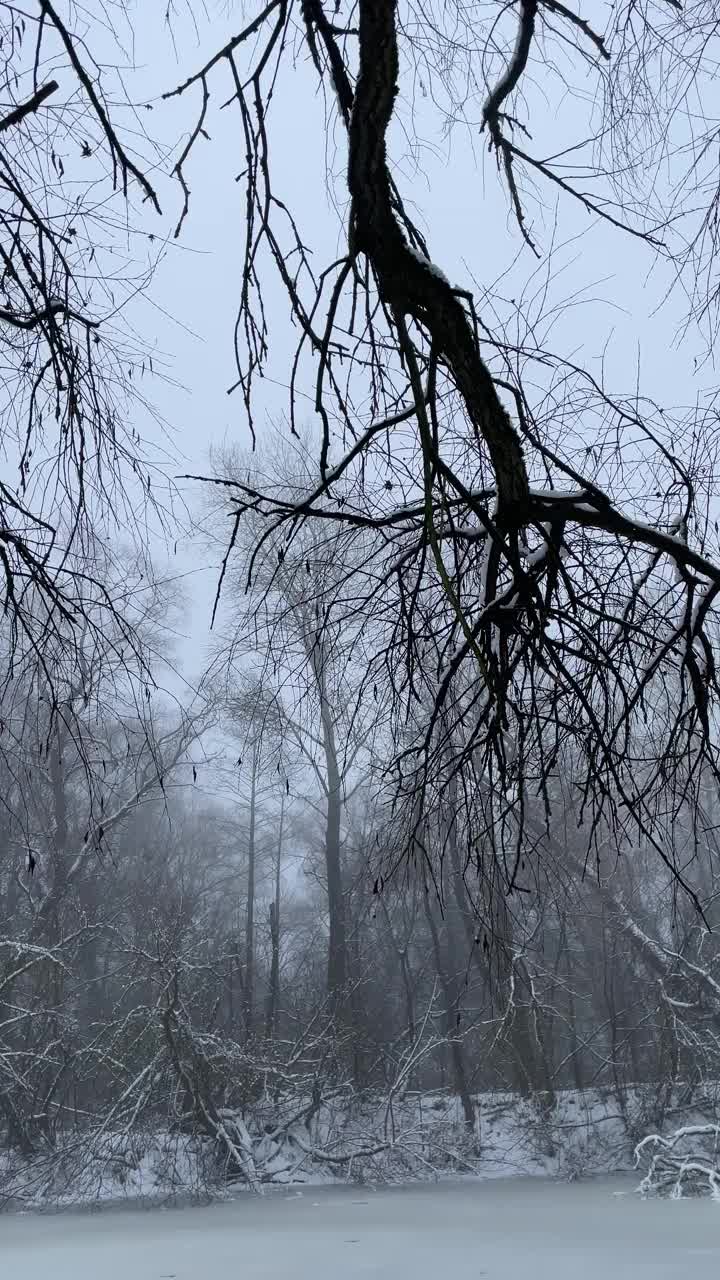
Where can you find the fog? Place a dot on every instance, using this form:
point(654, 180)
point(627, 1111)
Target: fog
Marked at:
point(360, 561)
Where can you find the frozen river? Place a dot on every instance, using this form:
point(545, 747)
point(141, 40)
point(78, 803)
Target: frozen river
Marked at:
point(505, 1230)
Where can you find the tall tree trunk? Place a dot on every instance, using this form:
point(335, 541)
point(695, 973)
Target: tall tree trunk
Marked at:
point(577, 1063)
point(337, 945)
point(526, 1075)
point(524, 1036)
point(450, 1008)
point(50, 920)
point(17, 1130)
point(496, 962)
point(249, 1002)
point(464, 904)
point(273, 999)
point(401, 950)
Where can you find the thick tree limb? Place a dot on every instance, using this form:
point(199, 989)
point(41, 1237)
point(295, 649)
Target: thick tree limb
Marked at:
point(20, 321)
point(29, 107)
point(582, 25)
point(407, 283)
point(511, 77)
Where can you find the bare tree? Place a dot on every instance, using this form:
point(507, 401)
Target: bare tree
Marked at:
point(58, 924)
point(76, 473)
point(489, 480)
point(254, 718)
point(497, 570)
point(272, 1003)
point(288, 615)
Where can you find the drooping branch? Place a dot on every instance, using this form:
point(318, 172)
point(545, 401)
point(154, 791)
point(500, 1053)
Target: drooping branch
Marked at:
point(513, 73)
point(67, 368)
point(406, 281)
point(120, 157)
point(554, 6)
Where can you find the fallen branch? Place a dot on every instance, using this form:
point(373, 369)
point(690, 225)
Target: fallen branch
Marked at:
point(671, 1170)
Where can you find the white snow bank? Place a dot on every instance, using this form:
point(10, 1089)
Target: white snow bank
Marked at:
point(360, 1141)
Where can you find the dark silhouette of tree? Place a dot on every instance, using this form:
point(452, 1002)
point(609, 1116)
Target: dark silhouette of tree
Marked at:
point(492, 483)
point(74, 469)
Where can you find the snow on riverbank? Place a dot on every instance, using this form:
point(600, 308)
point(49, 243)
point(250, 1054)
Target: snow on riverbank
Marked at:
point(418, 1138)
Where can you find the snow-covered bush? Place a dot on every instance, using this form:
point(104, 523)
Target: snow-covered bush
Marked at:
point(685, 1162)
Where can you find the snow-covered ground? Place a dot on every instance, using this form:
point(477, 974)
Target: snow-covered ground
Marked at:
point(596, 1230)
point(419, 1138)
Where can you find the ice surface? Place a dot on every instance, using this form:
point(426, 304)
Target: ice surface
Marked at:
point(510, 1230)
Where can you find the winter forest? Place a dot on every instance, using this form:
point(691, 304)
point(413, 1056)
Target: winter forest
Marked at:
point(360, 577)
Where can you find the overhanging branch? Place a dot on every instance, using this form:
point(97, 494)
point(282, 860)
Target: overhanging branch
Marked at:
point(30, 106)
